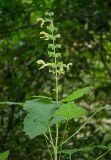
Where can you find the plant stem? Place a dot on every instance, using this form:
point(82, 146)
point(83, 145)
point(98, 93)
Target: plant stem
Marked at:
point(48, 139)
point(56, 90)
point(63, 138)
point(54, 146)
point(81, 126)
point(102, 155)
point(48, 148)
point(57, 127)
point(70, 156)
point(51, 139)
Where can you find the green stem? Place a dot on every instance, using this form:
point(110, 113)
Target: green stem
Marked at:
point(102, 155)
point(48, 147)
point(64, 131)
point(57, 127)
point(48, 138)
point(51, 139)
point(70, 156)
point(53, 146)
point(63, 138)
point(81, 126)
point(56, 88)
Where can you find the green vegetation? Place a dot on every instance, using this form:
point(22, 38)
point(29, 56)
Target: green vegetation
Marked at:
point(4, 155)
point(49, 107)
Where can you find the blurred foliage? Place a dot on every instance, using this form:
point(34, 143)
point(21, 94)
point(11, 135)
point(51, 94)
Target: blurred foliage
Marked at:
point(85, 28)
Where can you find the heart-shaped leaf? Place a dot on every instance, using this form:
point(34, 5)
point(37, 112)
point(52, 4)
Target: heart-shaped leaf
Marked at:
point(38, 115)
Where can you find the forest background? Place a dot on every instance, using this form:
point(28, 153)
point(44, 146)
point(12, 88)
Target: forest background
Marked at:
point(85, 28)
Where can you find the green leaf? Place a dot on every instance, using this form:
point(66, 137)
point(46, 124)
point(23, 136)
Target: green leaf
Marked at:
point(69, 111)
point(85, 149)
point(38, 115)
point(107, 137)
point(57, 120)
point(49, 13)
point(51, 28)
point(76, 94)
point(57, 55)
point(51, 46)
point(12, 103)
point(101, 146)
point(4, 155)
point(51, 54)
point(58, 45)
point(109, 146)
point(72, 151)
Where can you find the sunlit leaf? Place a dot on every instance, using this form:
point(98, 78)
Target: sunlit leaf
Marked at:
point(69, 111)
point(76, 94)
point(4, 155)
